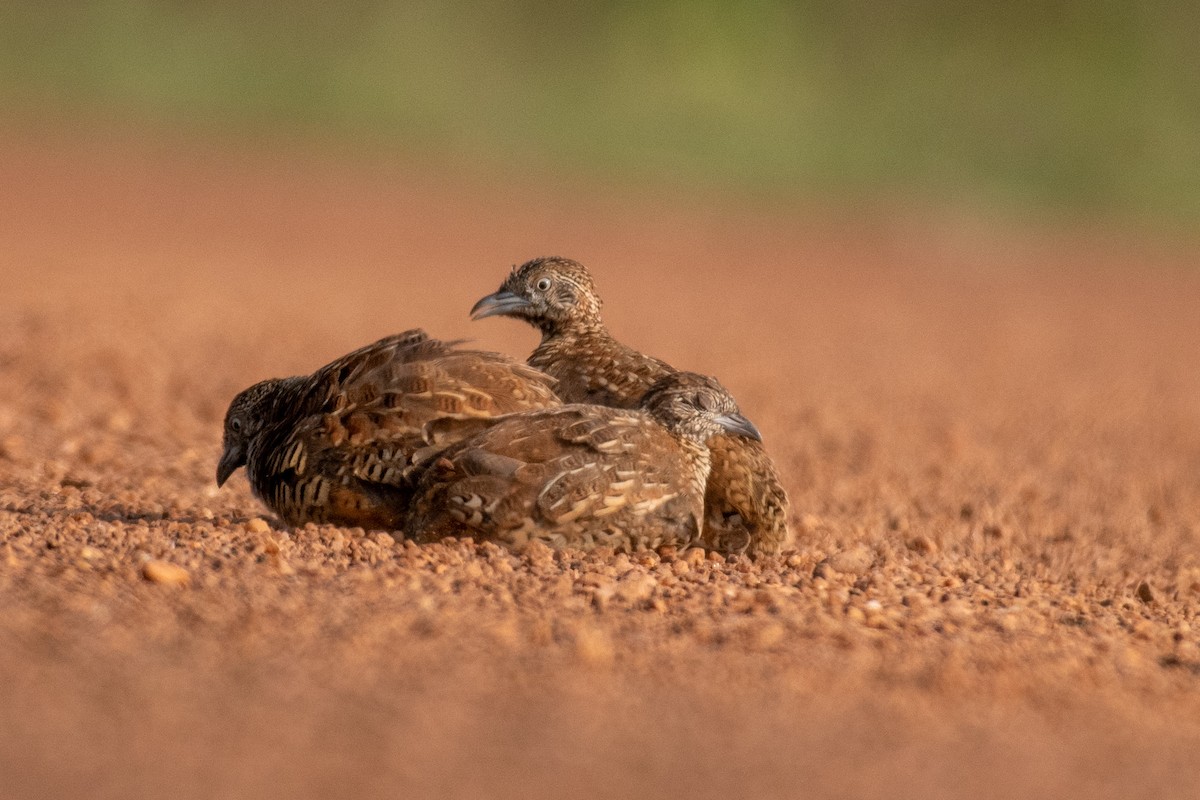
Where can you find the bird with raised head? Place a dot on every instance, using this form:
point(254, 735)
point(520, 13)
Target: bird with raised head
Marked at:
point(344, 444)
point(746, 507)
point(584, 475)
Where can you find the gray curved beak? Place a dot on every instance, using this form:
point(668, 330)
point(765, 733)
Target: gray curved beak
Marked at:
point(498, 303)
point(231, 459)
point(736, 423)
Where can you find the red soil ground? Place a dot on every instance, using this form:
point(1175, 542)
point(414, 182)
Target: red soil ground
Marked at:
point(991, 438)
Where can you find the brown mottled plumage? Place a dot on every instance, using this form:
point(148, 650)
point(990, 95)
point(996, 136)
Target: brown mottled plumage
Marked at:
point(746, 507)
point(341, 445)
point(583, 475)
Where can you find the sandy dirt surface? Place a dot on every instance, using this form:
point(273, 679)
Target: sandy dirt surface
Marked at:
point(991, 438)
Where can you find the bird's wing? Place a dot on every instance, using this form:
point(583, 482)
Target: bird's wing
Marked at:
point(562, 474)
point(745, 502)
point(356, 476)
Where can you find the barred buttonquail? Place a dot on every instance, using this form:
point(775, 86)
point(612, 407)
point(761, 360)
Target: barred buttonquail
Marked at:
point(583, 475)
point(746, 507)
point(342, 445)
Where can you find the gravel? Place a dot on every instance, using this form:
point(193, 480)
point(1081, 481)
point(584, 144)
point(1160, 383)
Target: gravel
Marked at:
point(991, 440)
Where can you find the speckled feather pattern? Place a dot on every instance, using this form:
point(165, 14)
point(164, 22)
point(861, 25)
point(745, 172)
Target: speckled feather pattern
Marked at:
point(343, 445)
point(610, 374)
point(746, 507)
point(579, 476)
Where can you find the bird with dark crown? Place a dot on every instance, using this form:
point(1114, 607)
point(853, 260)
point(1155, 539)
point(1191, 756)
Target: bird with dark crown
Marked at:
point(746, 507)
point(344, 444)
point(584, 475)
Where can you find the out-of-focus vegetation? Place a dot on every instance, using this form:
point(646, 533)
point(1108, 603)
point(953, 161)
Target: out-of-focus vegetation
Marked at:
point(1090, 105)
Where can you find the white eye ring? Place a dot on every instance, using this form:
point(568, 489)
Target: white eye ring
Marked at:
point(236, 425)
point(542, 285)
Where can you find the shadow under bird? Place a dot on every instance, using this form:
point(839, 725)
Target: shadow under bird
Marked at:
point(584, 475)
point(343, 445)
point(746, 507)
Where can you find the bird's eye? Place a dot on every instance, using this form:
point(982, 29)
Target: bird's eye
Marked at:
point(543, 284)
point(235, 425)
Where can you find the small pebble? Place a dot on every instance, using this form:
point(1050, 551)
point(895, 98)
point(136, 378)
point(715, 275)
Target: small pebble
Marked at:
point(165, 573)
point(634, 588)
point(852, 562)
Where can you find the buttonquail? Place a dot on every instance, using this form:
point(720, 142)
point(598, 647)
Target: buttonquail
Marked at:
point(746, 508)
point(343, 445)
point(583, 475)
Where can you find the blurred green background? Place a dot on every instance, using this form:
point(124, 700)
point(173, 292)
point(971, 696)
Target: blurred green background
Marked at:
point(1074, 107)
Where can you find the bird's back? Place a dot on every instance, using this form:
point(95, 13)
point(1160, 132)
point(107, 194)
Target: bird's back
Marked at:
point(365, 422)
point(746, 507)
point(593, 367)
point(579, 475)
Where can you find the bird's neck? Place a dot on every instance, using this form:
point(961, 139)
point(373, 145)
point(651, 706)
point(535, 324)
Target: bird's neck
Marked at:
point(290, 396)
point(579, 324)
point(572, 344)
point(290, 399)
point(574, 330)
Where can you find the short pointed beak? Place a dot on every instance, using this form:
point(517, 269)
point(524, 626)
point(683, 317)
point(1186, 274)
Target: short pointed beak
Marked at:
point(736, 423)
point(231, 459)
point(498, 303)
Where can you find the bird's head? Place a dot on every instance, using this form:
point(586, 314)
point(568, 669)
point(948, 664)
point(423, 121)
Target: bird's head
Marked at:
point(697, 407)
point(553, 294)
point(244, 421)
